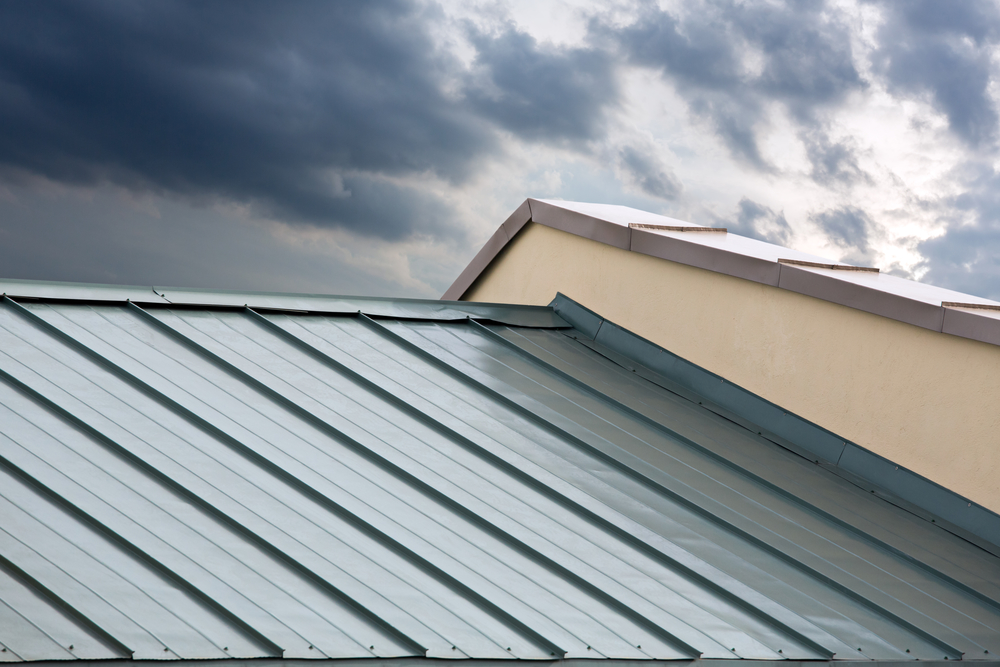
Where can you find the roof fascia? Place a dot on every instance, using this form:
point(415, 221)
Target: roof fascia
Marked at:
point(826, 284)
point(860, 466)
point(417, 309)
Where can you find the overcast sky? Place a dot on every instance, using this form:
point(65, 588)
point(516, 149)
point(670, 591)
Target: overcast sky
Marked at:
point(371, 148)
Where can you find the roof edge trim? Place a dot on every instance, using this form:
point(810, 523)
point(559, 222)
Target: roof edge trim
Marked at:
point(542, 317)
point(903, 487)
point(798, 276)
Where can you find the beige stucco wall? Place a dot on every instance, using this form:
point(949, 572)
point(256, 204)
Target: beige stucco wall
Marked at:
point(926, 400)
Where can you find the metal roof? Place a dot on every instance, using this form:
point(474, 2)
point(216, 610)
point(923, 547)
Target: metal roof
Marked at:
point(864, 288)
point(312, 479)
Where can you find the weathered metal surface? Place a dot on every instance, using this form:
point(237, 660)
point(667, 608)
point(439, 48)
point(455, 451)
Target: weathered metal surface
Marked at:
point(221, 483)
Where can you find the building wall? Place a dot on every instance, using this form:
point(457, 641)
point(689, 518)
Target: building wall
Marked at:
point(926, 400)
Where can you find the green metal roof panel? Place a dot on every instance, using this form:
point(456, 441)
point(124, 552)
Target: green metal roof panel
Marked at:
point(213, 482)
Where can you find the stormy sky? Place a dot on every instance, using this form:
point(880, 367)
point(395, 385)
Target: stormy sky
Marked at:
point(371, 148)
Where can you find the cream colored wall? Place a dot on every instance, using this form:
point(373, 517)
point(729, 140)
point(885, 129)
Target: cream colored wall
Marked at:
point(926, 400)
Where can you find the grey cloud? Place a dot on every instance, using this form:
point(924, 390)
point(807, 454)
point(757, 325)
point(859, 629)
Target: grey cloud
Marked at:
point(94, 235)
point(805, 64)
point(540, 92)
point(649, 173)
point(848, 227)
point(252, 102)
point(760, 222)
point(944, 51)
point(833, 163)
point(967, 256)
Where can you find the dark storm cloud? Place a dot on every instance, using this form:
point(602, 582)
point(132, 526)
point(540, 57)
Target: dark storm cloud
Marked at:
point(540, 92)
point(648, 172)
point(276, 104)
point(252, 102)
point(943, 50)
point(731, 60)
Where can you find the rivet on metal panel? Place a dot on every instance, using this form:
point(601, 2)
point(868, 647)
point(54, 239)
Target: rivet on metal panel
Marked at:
point(452, 648)
point(310, 648)
point(225, 648)
point(70, 647)
point(779, 650)
point(907, 650)
point(372, 647)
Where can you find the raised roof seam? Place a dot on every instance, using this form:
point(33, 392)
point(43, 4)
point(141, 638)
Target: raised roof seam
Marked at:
point(419, 485)
point(161, 570)
point(677, 497)
point(81, 620)
point(743, 472)
point(562, 434)
point(224, 438)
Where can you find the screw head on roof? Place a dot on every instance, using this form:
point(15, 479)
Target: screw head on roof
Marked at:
point(70, 647)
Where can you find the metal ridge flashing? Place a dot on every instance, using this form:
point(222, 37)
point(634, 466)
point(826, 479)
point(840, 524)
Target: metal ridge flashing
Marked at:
point(638, 231)
point(903, 487)
point(418, 309)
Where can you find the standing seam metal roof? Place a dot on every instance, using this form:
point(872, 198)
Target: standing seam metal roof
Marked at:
point(223, 482)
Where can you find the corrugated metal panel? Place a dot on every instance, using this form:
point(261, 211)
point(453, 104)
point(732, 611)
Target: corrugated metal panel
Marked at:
point(180, 483)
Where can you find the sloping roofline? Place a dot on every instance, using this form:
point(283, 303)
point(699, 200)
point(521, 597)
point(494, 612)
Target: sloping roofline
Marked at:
point(905, 488)
point(863, 288)
point(424, 309)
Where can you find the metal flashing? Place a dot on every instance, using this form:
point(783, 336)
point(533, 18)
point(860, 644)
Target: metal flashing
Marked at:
point(682, 251)
point(907, 301)
point(829, 286)
point(546, 213)
point(970, 520)
point(302, 303)
point(266, 487)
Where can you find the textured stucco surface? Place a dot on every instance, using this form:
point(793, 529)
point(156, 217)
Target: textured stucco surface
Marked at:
point(926, 400)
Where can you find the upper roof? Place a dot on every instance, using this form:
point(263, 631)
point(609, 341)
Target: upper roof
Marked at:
point(327, 477)
point(864, 288)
